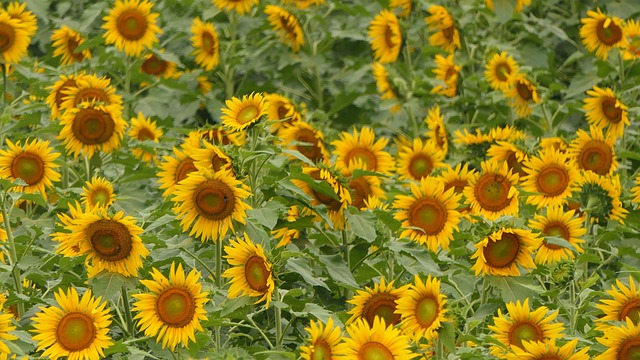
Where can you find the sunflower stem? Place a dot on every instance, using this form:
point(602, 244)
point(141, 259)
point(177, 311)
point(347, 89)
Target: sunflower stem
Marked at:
point(211, 272)
point(278, 311)
point(13, 257)
point(621, 67)
point(413, 120)
point(573, 311)
point(439, 348)
point(259, 330)
point(127, 311)
point(127, 88)
point(218, 272)
point(4, 87)
point(87, 166)
point(483, 297)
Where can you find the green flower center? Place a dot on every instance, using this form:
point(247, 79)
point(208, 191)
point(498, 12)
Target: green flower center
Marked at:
point(100, 197)
point(248, 114)
point(175, 307)
point(75, 331)
point(28, 167)
point(502, 252)
point(132, 25)
point(420, 166)
point(321, 351)
point(373, 350)
point(426, 311)
point(428, 214)
point(257, 274)
point(524, 331)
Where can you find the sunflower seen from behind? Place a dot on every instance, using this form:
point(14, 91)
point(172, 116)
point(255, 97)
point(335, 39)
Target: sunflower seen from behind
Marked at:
point(75, 328)
point(499, 70)
point(601, 33)
point(376, 341)
point(239, 114)
point(143, 129)
point(66, 41)
point(502, 252)
point(546, 350)
point(623, 303)
point(492, 192)
point(377, 302)
point(422, 309)
point(172, 307)
point(15, 39)
point(286, 25)
point(361, 150)
point(559, 223)
point(98, 192)
point(325, 341)
point(250, 271)
point(551, 177)
point(593, 151)
point(604, 109)
point(205, 43)
point(385, 37)
point(131, 26)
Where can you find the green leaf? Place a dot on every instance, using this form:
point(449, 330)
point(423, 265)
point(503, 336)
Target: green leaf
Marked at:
point(388, 219)
point(339, 271)
point(515, 288)
point(300, 266)
point(117, 347)
point(556, 240)
point(320, 186)
point(503, 9)
point(447, 335)
point(362, 225)
point(108, 285)
point(267, 215)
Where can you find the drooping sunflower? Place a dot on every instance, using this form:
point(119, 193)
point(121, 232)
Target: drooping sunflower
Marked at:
point(551, 177)
point(65, 41)
point(240, 6)
point(131, 26)
point(593, 151)
point(212, 157)
point(518, 6)
point(437, 129)
point(6, 326)
point(499, 70)
point(503, 251)
point(287, 25)
point(377, 302)
point(307, 140)
point(559, 223)
point(77, 328)
point(206, 44)
point(522, 325)
point(604, 109)
point(281, 112)
point(623, 342)
point(155, 65)
point(635, 191)
point(142, 129)
point(325, 343)
point(285, 234)
point(624, 303)
point(513, 153)
point(418, 160)
point(98, 193)
point(15, 39)
point(362, 151)
point(376, 341)
point(521, 93)
point(209, 201)
point(57, 93)
point(383, 85)
point(32, 162)
point(632, 31)
point(447, 72)
point(90, 88)
point(601, 33)
point(404, 6)
point(174, 169)
point(447, 35)
point(600, 195)
point(27, 20)
point(240, 114)
point(429, 214)
point(492, 193)
point(385, 37)
point(544, 350)
point(421, 309)
point(364, 188)
point(172, 308)
point(250, 272)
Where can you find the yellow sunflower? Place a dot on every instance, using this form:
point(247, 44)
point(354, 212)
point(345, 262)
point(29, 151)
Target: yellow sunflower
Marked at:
point(456, 178)
point(362, 151)
point(18, 11)
point(303, 4)
point(624, 303)
point(418, 160)
point(545, 350)
point(604, 109)
point(240, 6)
point(131, 26)
point(250, 272)
point(447, 35)
point(553, 142)
point(383, 85)
point(503, 251)
point(217, 135)
point(90, 88)
point(522, 325)
point(174, 169)
point(287, 25)
point(57, 93)
point(154, 65)
point(15, 39)
point(363, 188)
point(206, 44)
point(377, 302)
point(593, 151)
point(521, 93)
point(514, 155)
point(437, 129)
point(307, 140)
point(551, 177)
point(635, 191)
point(98, 193)
point(492, 193)
point(499, 70)
point(600, 195)
point(622, 342)
point(213, 158)
point(385, 37)
point(281, 112)
point(403, 5)
point(559, 223)
point(90, 128)
point(6, 326)
point(142, 129)
point(429, 215)
point(447, 72)
point(376, 341)
point(284, 234)
point(32, 162)
point(601, 33)
point(208, 202)
point(421, 309)
point(632, 31)
point(240, 114)
point(65, 41)
point(77, 328)
point(325, 343)
point(507, 133)
point(172, 308)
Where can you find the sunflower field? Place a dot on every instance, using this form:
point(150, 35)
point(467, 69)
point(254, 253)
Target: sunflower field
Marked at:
point(320, 179)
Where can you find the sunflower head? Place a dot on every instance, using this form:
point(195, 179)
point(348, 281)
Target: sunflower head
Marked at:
point(632, 31)
point(98, 193)
point(287, 25)
point(240, 114)
point(622, 342)
point(307, 140)
point(437, 129)
point(376, 341)
point(131, 26)
point(604, 109)
point(143, 129)
point(558, 223)
point(175, 168)
point(503, 251)
point(361, 150)
point(65, 41)
point(499, 70)
point(601, 33)
point(385, 37)
point(551, 177)
point(623, 303)
point(377, 302)
point(421, 309)
point(206, 44)
point(158, 67)
point(242, 7)
point(522, 93)
point(541, 350)
point(447, 35)
point(15, 39)
point(492, 193)
point(325, 342)
point(281, 112)
point(447, 72)
point(593, 151)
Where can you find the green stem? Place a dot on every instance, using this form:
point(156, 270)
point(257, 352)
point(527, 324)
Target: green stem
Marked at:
point(278, 311)
point(262, 334)
point(413, 120)
point(127, 310)
point(127, 89)
point(13, 256)
point(439, 349)
point(621, 67)
point(4, 87)
point(211, 272)
point(483, 298)
point(548, 120)
point(573, 311)
point(218, 275)
point(87, 166)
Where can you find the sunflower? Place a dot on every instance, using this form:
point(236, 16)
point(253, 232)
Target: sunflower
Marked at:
point(512, 154)
point(325, 343)
point(240, 6)
point(502, 251)
point(363, 188)
point(98, 193)
point(560, 223)
point(217, 135)
point(403, 5)
point(90, 88)
point(600, 196)
point(376, 341)
point(131, 26)
point(522, 325)
point(15, 39)
point(156, 66)
point(521, 93)
point(544, 350)
point(553, 142)
point(281, 112)
point(623, 304)
point(385, 37)
point(518, 6)
point(210, 201)
point(635, 191)
point(437, 129)
point(499, 70)
point(307, 140)
point(456, 178)
point(447, 72)
point(213, 158)
point(6, 326)
point(303, 4)
point(172, 308)
point(206, 44)
point(551, 177)
point(385, 89)
point(604, 108)
point(418, 160)
point(601, 33)
point(362, 151)
point(623, 342)
point(447, 35)
point(26, 19)
point(593, 151)
point(144, 129)
point(492, 193)
point(66, 41)
point(90, 128)
point(377, 302)
point(77, 328)
point(632, 31)
point(287, 25)
point(250, 272)
point(240, 114)
point(421, 309)
point(32, 162)
point(174, 169)
point(285, 234)
point(58, 90)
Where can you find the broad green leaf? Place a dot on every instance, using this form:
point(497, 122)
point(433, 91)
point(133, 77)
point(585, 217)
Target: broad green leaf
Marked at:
point(503, 9)
point(266, 215)
point(447, 335)
point(339, 271)
point(300, 266)
point(362, 224)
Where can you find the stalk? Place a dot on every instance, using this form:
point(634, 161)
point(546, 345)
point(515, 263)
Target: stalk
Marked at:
point(13, 257)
